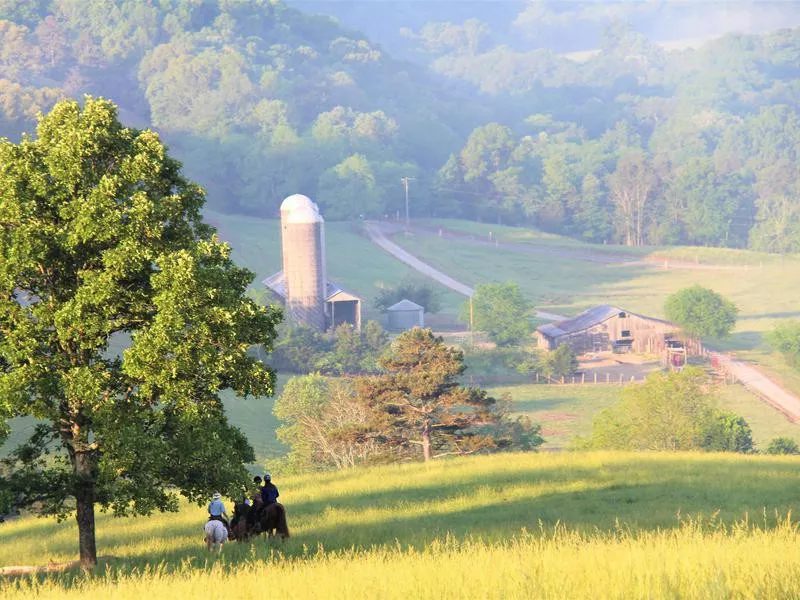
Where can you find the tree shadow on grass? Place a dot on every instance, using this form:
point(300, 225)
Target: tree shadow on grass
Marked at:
point(639, 494)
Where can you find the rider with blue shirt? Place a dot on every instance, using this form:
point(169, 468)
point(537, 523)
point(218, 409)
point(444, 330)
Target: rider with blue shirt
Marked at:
point(216, 510)
point(269, 493)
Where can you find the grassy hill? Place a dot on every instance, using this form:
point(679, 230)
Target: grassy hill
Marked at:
point(513, 526)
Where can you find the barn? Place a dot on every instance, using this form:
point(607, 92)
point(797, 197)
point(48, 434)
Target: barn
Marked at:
point(608, 328)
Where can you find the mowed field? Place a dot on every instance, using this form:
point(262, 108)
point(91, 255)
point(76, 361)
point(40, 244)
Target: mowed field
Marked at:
point(567, 525)
point(764, 287)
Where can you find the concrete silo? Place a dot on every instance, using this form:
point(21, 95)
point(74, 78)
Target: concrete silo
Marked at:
point(302, 240)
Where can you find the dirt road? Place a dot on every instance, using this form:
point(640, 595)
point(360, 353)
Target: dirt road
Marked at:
point(377, 236)
point(763, 387)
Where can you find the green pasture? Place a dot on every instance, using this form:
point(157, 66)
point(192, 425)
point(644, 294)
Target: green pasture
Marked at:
point(352, 260)
point(567, 411)
point(765, 293)
point(608, 525)
point(534, 237)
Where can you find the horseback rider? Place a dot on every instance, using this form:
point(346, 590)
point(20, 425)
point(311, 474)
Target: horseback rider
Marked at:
point(216, 510)
point(258, 503)
point(269, 493)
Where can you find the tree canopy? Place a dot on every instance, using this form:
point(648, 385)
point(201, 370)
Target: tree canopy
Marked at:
point(419, 402)
point(632, 143)
point(121, 318)
point(501, 311)
point(701, 312)
point(671, 412)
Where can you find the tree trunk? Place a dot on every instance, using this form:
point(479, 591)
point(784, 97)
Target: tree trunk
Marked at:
point(426, 443)
point(84, 499)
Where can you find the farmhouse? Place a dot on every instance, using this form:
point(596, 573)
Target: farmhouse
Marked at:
point(608, 328)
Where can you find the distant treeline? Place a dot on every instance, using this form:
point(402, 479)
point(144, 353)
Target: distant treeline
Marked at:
point(259, 100)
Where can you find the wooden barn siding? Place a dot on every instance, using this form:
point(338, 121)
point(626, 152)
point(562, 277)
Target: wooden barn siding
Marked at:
point(647, 335)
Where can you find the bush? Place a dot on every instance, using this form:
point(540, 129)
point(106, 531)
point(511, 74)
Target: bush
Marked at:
point(417, 291)
point(727, 432)
point(495, 364)
point(785, 338)
point(669, 411)
point(561, 362)
point(783, 445)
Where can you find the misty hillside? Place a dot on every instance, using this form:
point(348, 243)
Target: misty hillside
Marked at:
point(634, 144)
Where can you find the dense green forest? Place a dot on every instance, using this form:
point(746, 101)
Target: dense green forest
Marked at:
point(635, 144)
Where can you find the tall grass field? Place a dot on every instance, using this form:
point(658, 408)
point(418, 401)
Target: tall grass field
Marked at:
point(599, 525)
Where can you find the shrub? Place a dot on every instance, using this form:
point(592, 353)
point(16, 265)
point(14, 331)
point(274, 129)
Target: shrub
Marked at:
point(561, 362)
point(417, 291)
point(728, 432)
point(783, 445)
point(785, 338)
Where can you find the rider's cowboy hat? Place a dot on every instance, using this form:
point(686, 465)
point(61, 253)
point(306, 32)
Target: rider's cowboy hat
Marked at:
point(217, 496)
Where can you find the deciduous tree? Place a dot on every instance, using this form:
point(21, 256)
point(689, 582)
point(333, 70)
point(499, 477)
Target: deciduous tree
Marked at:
point(324, 425)
point(668, 412)
point(701, 312)
point(501, 311)
point(121, 318)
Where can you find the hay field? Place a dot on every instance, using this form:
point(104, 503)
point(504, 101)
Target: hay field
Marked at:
point(606, 525)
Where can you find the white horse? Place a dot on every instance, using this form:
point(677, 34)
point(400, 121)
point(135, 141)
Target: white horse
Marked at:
point(215, 535)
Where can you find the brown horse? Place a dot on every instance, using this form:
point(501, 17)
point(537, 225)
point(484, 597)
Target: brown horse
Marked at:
point(239, 529)
point(272, 521)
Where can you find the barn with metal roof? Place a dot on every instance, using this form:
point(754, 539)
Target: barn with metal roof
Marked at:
point(608, 328)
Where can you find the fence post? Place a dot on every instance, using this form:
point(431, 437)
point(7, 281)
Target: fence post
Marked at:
point(595, 376)
point(537, 377)
point(583, 378)
point(608, 377)
point(620, 378)
point(562, 379)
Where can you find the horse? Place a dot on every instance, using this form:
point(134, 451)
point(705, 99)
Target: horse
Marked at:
point(239, 529)
point(215, 535)
point(272, 521)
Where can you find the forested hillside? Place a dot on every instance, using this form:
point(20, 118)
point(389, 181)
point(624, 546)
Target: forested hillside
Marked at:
point(635, 145)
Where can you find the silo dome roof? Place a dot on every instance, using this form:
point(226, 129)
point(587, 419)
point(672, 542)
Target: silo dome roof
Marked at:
point(304, 214)
point(297, 201)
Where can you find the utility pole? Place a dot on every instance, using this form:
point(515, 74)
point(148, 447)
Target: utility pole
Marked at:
point(471, 325)
point(405, 181)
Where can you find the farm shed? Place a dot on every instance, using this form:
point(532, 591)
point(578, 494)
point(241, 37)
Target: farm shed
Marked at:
point(405, 315)
point(608, 328)
point(340, 306)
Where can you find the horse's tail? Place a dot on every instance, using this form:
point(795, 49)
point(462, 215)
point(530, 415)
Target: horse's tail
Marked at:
point(282, 526)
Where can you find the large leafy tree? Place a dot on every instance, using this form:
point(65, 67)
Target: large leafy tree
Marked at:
point(501, 311)
point(701, 312)
point(419, 401)
point(324, 424)
point(670, 411)
point(121, 318)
